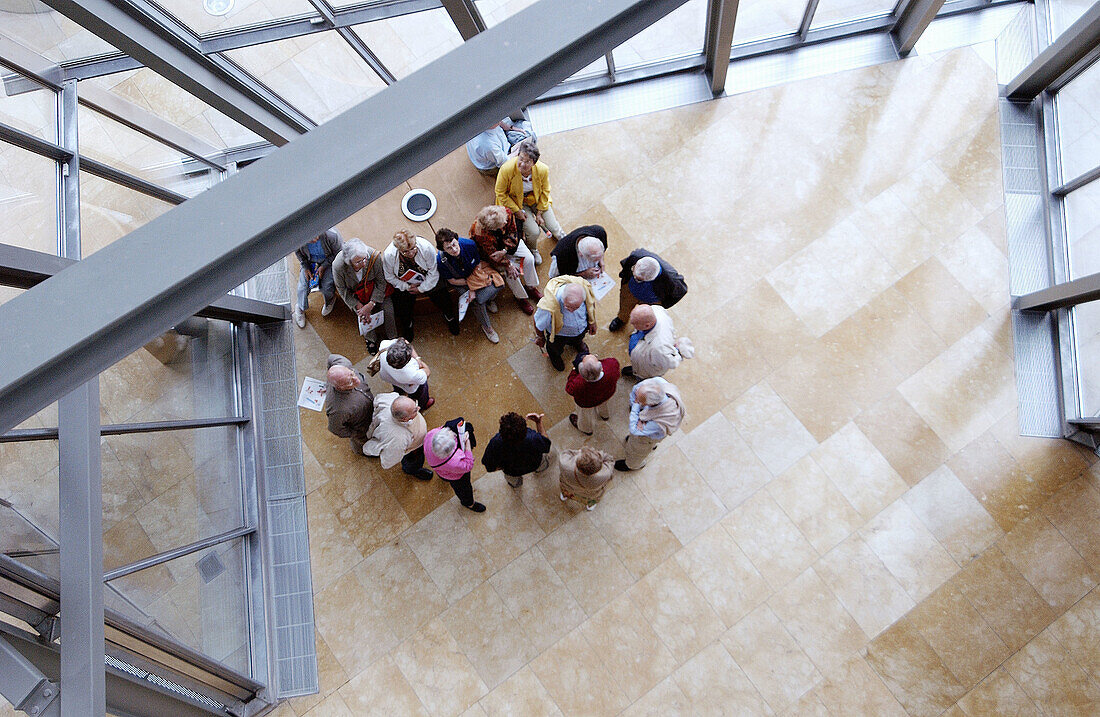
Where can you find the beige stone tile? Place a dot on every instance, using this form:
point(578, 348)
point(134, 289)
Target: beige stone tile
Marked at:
point(681, 496)
point(365, 507)
point(636, 532)
point(331, 706)
point(912, 670)
point(488, 635)
point(381, 689)
point(859, 471)
point(350, 622)
point(538, 599)
point(400, 588)
point(937, 203)
point(1050, 463)
point(817, 621)
point(769, 427)
point(819, 510)
point(330, 675)
point(819, 386)
point(773, 543)
point(1078, 630)
point(724, 460)
point(1004, 598)
point(1075, 510)
point(959, 635)
point(586, 563)
point(809, 705)
point(863, 584)
point(331, 550)
point(998, 694)
point(449, 551)
point(628, 646)
point(520, 694)
point(575, 677)
point(886, 215)
point(771, 658)
point(676, 610)
point(908, 550)
point(715, 685)
point(436, 669)
point(1048, 562)
point(723, 574)
point(979, 266)
point(665, 698)
point(1052, 678)
point(953, 515)
point(854, 688)
point(506, 529)
point(941, 300)
point(902, 437)
point(999, 483)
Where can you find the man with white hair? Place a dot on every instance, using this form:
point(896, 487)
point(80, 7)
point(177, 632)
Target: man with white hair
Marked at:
point(565, 312)
point(592, 383)
point(647, 279)
point(397, 435)
point(656, 411)
point(654, 348)
point(580, 253)
point(411, 269)
point(361, 283)
point(349, 404)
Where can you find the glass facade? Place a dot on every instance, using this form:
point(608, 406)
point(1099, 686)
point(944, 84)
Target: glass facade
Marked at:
point(28, 199)
point(406, 43)
point(678, 34)
point(1079, 123)
point(834, 12)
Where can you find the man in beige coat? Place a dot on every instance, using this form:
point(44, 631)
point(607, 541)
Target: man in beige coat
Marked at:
point(397, 435)
point(584, 475)
point(654, 348)
point(656, 411)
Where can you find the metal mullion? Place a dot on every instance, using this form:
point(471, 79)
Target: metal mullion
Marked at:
point(721, 20)
point(807, 18)
point(366, 54)
point(610, 59)
point(182, 551)
point(1076, 183)
point(27, 141)
point(118, 176)
point(466, 17)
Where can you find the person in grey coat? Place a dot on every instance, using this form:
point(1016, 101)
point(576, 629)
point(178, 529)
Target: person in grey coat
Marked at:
point(315, 259)
point(361, 283)
point(349, 404)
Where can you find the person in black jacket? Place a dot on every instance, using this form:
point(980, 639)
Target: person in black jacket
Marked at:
point(647, 279)
point(517, 449)
point(580, 253)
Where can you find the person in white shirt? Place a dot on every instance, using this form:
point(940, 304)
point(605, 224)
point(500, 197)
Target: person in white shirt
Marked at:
point(397, 435)
point(410, 268)
point(402, 367)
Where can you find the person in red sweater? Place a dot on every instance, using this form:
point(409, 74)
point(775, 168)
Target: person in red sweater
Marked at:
point(591, 383)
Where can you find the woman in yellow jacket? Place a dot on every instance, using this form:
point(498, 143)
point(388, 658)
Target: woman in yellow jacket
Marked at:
point(523, 185)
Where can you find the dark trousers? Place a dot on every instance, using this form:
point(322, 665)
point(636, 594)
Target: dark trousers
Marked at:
point(420, 395)
point(555, 347)
point(413, 461)
point(464, 490)
point(403, 308)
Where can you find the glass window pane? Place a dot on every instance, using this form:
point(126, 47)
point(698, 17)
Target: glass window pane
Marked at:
point(27, 105)
point(1078, 113)
point(168, 101)
point(1083, 229)
point(28, 481)
point(200, 600)
point(49, 33)
point(679, 33)
point(237, 13)
point(761, 19)
point(28, 199)
point(109, 211)
point(834, 12)
point(319, 74)
point(406, 43)
point(494, 11)
point(1064, 13)
point(22, 541)
point(1086, 321)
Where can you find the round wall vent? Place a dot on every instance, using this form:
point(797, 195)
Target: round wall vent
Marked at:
point(418, 205)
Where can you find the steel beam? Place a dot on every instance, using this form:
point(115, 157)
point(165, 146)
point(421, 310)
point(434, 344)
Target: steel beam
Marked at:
point(68, 328)
point(1077, 182)
point(24, 685)
point(28, 62)
point(807, 18)
point(721, 17)
point(915, 18)
point(1060, 296)
point(1066, 53)
point(466, 17)
point(152, 37)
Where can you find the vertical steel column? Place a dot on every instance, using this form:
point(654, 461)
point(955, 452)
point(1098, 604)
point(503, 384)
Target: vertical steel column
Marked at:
point(721, 16)
point(913, 21)
point(466, 17)
point(807, 19)
point(83, 676)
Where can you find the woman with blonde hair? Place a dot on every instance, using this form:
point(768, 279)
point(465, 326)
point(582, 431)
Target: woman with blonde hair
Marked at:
point(496, 232)
point(585, 475)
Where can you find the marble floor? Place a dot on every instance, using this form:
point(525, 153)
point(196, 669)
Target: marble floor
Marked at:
point(848, 522)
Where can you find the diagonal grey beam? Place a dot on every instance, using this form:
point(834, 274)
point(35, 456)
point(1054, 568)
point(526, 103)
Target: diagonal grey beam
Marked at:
point(1060, 296)
point(466, 17)
point(155, 39)
point(1068, 52)
point(915, 17)
point(68, 328)
point(721, 16)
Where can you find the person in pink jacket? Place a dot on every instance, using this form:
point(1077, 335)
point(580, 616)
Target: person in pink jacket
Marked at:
point(447, 451)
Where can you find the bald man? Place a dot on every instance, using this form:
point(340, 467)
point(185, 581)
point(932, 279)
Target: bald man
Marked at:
point(654, 348)
point(397, 435)
point(566, 311)
point(349, 404)
point(592, 383)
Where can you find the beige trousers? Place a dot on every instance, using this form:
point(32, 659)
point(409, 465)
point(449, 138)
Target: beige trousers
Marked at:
point(586, 417)
point(638, 449)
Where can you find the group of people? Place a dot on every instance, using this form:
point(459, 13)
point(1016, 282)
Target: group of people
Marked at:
point(501, 250)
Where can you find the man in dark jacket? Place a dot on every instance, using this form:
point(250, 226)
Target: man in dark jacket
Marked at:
point(580, 253)
point(517, 449)
point(647, 279)
point(349, 404)
point(315, 258)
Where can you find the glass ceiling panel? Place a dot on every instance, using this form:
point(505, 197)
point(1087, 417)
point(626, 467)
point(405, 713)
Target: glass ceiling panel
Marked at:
point(109, 211)
point(406, 43)
point(48, 32)
point(679, 33)
point(494, 11)
point(1078, 113)
point(319, 74)
point(1064, 13)
point(27, 105)
point(763, 19)
point(28, 199)
point(233, 13)
point(834, 12)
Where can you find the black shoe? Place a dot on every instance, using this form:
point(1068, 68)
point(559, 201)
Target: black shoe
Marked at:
point(424, 474)
point(627, 371)
point(556, 362)
point(620, 465)
point(615, 325)
point(372, 346)
point(476, 507)
point(452, 326)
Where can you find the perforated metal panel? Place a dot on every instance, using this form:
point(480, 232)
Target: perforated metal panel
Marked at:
point(1036, 380)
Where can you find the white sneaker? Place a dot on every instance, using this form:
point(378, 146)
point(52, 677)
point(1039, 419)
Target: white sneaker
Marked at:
point(538, 258)
point(589, 507)
point(491, 334)
point(492, 306)
point(299, 318)
point(562, 496)
point(327, 308)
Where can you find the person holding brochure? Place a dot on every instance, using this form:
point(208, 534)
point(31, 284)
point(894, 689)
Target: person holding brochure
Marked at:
point(410, 266)
point(447, 451)
point(496, 231)
point(361, 283)
point(461, 266)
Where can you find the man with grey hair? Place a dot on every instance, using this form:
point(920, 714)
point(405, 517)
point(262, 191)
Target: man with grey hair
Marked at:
point(646, 279)
point(397, 435)
point(349, 404)
point(656, 411)
point(565, 312)
point(580, 253)
point(361, 283)
point(654, 348)
point(592, 383)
